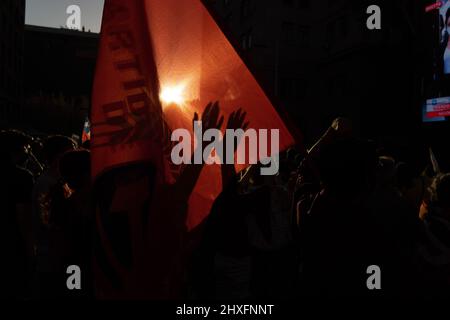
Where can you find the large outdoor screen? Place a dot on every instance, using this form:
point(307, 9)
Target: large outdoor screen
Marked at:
point(445, 35)
point(436, 110)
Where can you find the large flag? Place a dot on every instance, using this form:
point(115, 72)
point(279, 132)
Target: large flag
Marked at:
point(159, 63)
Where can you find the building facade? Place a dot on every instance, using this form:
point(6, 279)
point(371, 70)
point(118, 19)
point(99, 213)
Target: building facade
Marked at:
point(276, 39)
point(12, 20)
point(370, 76)
point(59, 73)
point(320, 61)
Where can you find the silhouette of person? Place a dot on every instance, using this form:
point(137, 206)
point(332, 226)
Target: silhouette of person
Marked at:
point(141, 238)
point(44, 189)
point(15, 200)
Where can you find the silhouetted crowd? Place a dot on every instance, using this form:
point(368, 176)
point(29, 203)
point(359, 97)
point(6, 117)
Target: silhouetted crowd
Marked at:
point(313, 230)
point(46, 225)
point(316, 228)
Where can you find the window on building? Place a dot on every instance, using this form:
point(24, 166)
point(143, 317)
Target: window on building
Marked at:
point(301, 88)
point(289, 3)
point(1, 57)
point(245, 8)
point(247, 40)
point(288, 33)
point(330, 33)
point(343, 26)
point(2, 71)
point(303, 35)
point(337, 86)
point(341, 85)
point(293, 88)
point(244, 41)
point(5, 79)
point(331, 2)
point(304, 4)
point(228, 20)
point(285, 88)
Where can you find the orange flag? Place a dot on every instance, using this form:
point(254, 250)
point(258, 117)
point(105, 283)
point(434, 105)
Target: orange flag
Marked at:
point(160, 62)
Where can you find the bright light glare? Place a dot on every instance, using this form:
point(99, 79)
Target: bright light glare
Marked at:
point(173, 94)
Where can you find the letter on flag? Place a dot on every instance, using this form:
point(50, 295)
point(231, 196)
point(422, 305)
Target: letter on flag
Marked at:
point(159, 62)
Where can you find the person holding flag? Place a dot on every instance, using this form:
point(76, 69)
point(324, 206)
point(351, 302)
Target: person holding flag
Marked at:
point(159, 64)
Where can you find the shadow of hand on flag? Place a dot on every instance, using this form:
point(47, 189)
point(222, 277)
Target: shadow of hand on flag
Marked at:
point(153, 73)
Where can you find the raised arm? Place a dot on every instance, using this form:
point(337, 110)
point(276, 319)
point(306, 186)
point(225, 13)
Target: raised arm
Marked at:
point(211, 119)
point(235, 121)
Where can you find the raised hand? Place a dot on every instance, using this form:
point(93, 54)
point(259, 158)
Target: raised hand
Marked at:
point(210, 117)
point(342, 125)
point(237, 120)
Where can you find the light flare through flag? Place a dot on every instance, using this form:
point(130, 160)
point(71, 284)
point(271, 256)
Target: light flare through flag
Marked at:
point(159, 62)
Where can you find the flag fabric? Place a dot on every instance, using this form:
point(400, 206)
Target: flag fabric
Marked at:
point(86, 135)
point(159, 63)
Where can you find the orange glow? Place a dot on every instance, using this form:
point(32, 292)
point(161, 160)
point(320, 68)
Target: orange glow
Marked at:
point(185, 63)
point(173, 95)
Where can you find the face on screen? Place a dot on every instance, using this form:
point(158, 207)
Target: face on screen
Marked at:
point(447, 22)
point(445, 36)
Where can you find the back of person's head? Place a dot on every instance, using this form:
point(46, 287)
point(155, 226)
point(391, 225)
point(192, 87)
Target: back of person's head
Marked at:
point(441, 191)
point(348, 165)
point(75, 168)
point(55, 146)
point(13, 147)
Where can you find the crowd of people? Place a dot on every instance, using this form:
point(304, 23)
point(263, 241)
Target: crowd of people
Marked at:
point(310, 231)
point(316, 228)
point(46, 216)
